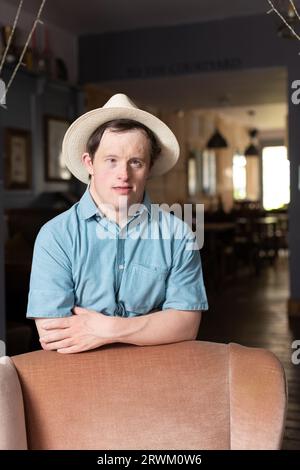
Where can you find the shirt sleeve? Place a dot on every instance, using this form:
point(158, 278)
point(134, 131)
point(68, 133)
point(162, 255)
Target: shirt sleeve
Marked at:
point(51, 291)
point(185, 288)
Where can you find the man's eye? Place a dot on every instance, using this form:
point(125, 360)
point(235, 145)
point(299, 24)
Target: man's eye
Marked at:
point(137, 163)
point(111, 160)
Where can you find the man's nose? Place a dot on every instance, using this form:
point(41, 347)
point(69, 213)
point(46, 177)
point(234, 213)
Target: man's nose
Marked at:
point(124, 172)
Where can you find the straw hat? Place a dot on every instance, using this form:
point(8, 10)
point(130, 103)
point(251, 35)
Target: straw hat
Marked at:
point(119, 106)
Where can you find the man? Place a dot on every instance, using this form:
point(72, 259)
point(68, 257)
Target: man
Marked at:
point(108, 270)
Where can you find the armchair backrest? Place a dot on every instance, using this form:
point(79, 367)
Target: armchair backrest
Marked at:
point(190, 395)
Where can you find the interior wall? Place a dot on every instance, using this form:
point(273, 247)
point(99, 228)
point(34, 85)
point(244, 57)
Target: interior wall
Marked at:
point(2, 299)
point(172, 187)
point(200, 127)
point(29, 101)
point(253, 179)
point(228, 44)
point(193, 131)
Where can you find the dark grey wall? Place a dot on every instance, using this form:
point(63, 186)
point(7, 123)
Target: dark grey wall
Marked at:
point(2, 290)
point(30, 98)
point(2, 299)
point(294, 209)
point(218, 45)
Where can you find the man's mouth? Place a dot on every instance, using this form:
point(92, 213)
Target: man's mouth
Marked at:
point(123, 189)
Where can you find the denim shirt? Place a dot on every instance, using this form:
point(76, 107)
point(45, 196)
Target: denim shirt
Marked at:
point(82, 258)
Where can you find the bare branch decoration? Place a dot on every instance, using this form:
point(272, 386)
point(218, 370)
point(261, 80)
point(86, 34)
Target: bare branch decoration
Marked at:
point(295, 9)
point(273, 8)
point(36, 21)
point(11, 35)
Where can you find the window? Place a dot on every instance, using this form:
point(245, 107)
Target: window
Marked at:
point(276, 177)
point(208, 172)
point(202, 172)
point(239, 177)
point(192, 175)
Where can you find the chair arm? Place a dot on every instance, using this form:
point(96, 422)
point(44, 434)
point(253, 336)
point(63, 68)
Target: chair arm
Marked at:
point(258, 398)
point(12, 425)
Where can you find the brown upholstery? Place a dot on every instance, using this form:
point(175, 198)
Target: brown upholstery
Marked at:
point(190, 395)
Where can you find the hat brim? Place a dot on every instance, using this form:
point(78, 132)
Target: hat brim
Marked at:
point(76, 137)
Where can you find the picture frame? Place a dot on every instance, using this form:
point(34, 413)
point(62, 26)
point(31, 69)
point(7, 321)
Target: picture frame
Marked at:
point(17, 159)
point(55, 129)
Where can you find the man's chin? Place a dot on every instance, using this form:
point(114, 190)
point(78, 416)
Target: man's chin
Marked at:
point(121, 203)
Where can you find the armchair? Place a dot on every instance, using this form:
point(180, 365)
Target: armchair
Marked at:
point(189, 395)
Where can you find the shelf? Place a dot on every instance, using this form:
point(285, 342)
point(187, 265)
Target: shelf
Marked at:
point(8, 70)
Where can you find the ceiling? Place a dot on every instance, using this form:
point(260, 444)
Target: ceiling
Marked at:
point(263, 90)
point(234, 93)
point(97, 16)
point(235, 88)
point(266, 117)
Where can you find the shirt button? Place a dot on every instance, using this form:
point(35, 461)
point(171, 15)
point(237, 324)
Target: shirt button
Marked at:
point(121, 266)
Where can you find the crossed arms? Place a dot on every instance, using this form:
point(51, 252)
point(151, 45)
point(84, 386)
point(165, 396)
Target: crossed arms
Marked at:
point(88, 329)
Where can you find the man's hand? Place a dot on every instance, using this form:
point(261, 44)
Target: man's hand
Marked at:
point(86, 329)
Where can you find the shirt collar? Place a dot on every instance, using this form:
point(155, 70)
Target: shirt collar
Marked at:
point(88, 207)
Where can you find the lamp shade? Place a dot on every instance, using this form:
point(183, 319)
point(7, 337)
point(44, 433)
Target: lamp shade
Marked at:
point(251, 151)
point(217, 141)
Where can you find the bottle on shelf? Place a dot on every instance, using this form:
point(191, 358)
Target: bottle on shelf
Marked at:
point(45, 58)
point(28, 59)
point(11, 56)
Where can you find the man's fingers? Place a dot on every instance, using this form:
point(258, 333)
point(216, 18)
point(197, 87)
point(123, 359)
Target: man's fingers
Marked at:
point(69, 350)
point(54, 336)
point(65, 343)
point(56, 323)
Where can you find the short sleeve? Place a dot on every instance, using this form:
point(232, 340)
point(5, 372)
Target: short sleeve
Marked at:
point(185, 288)
point(51, 291)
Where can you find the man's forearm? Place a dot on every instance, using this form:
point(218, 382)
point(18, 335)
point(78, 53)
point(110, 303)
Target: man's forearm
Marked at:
point(167, 326)
point(88, 329)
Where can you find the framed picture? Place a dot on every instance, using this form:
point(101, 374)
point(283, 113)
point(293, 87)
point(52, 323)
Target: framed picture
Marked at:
point(55, 129)
point(17, 160)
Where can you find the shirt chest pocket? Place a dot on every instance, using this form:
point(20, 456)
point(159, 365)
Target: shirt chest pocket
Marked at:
point(145, 287)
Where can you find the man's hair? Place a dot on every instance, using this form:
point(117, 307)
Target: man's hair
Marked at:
point(122, 125)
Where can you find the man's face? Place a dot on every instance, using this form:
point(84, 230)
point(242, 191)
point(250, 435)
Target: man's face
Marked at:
point(120, 168)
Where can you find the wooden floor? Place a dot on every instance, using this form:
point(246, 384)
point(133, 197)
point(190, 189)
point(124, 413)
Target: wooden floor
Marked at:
point(252, 311)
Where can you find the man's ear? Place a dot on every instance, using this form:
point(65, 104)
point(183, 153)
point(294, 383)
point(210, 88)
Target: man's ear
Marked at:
point(88, 163)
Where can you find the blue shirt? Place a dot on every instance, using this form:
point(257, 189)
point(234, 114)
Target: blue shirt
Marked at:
point(83, 258)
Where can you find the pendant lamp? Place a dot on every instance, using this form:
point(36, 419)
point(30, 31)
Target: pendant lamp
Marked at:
point(252, 150)
point(217, 140)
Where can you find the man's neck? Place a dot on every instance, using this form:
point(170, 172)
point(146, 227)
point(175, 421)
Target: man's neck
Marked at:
point(119, 215)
